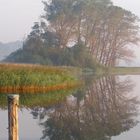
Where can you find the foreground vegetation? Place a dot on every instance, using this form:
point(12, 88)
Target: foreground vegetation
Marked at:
point(15, 78)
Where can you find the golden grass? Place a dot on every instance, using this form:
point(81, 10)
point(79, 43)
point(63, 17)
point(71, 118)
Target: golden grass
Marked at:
point(124, 71)
point(38, 89)
point(26, 78)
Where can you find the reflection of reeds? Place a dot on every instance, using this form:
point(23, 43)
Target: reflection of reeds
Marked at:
point(39, 100)
point(15, 78)
point(38, 89)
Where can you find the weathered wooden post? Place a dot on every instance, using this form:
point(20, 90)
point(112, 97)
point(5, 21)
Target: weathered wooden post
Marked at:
point(13, 103)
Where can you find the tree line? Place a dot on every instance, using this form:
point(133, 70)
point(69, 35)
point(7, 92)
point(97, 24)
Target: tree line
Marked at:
point(80, 33)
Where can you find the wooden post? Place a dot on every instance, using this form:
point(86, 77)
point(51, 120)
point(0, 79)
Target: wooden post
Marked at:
point(13, 103)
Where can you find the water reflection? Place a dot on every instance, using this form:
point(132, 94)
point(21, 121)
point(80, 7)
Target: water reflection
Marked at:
point(104, 109)
point(40, 100)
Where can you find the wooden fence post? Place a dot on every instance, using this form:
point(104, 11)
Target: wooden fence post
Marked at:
point(13, 103)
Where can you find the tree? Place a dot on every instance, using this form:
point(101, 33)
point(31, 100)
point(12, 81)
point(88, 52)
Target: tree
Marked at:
point(103, 29)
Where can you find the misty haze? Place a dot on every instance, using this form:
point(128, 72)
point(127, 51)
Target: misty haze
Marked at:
point(70, 70)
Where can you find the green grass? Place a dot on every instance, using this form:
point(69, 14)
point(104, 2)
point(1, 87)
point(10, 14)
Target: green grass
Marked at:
point(15, 77)
point(101, 71)
point(124, 70)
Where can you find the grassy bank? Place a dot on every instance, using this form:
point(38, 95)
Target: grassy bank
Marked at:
point(124, 71)
point(101, 71)
point(15, 78)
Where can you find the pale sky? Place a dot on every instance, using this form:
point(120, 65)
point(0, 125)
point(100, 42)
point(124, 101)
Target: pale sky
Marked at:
point(134, 7)
point(18, 16)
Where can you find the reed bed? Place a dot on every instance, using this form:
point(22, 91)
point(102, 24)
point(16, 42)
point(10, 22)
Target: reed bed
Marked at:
point(17, 78)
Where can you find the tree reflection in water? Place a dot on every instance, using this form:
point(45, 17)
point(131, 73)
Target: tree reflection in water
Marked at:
point(106, 109)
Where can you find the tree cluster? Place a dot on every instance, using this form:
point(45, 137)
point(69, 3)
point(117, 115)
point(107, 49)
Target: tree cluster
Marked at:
point(75, 32)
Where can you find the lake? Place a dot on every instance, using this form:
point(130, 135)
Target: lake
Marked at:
point(107, 108)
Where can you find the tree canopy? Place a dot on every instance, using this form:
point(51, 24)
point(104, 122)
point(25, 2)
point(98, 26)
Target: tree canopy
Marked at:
point(99, 30)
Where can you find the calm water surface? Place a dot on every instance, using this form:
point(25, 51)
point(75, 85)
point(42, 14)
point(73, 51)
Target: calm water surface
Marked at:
point(106, 109)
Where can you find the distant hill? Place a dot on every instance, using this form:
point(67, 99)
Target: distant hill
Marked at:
point(8, 48)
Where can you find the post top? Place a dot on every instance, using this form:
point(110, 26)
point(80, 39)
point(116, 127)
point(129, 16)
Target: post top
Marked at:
point(12, 96)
